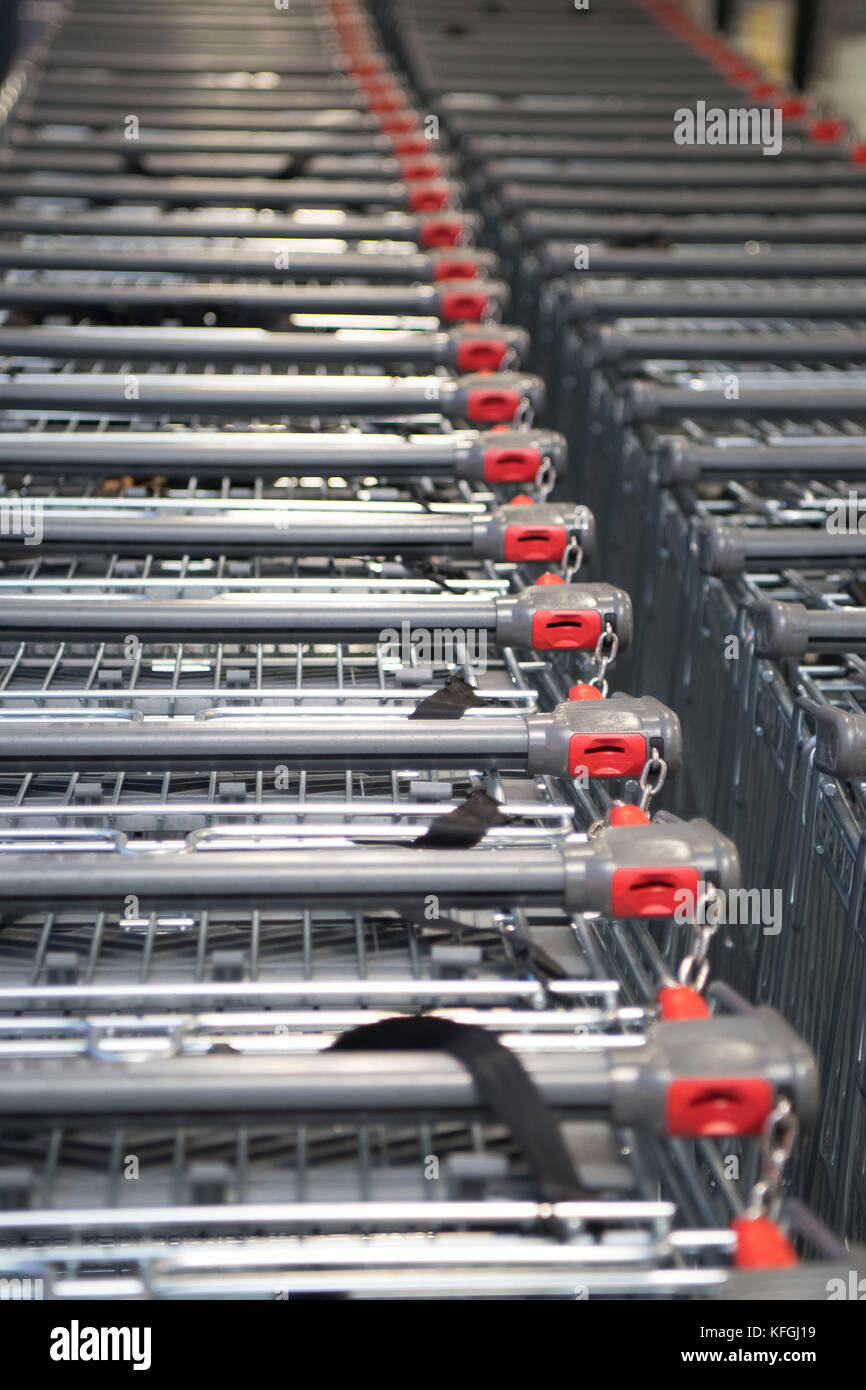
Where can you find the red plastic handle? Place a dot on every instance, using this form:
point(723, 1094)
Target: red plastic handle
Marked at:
point(481, 355)
point(427, 197)
point(607, 755)
point(484, 404)
point(825, 128)
point(416, 170)
point(464, 306)
point(456, 269)
point(565, 629)
point(535, 543)
point(381, 101)
point(412, 142)
point(711, 1107)
point(794, 108)
point(516, 465)
point(366, 67)
point(441, 231)
point(651, 892)
point(400, 123)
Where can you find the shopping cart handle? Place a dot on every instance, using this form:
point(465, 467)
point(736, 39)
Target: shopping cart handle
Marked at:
point(604, 738)
point(539, 532)
point(840, 742)
point(484, 398)
point(677, 461)
point(571, 616)
point(655, 870)
point(500, 455)
point(622, 871)
point(567, 616)
point(443, 231)
point(781, 629)
point(512, 456)
point(719, 1076)
point(714, 1077)
point(612, 738)
point(725, 550)
point(487, 347)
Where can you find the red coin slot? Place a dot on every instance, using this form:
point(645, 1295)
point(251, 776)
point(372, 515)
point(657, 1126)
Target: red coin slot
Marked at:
point(427, 197)
point(582, 691)
point(416, 169)
point(607, 757)
point(399, 123)
point(481, 354)
point(383, 99)
point(794, 108)
point(535, 542)
point(564, 629)
point(711, 1107)
point(762, 90)
point(456, 306)
point(651, 892)
point(827, 129)
point(366, 67)
point(518, 465)
point(444, 231)
point(493, 404)
point(456, 269)
point(409, 144)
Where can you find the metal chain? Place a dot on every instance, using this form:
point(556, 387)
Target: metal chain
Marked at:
point(694, 968)
point(606, 649)
point(777, 1143)
point(648, 788)
point(572, 557)
point(524, 415)
point(545, 480)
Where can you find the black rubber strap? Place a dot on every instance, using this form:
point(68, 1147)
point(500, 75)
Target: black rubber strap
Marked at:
point(655, 241)
point(449, 702)
point(466, 825)
point(504, 1086)
point(438, 571)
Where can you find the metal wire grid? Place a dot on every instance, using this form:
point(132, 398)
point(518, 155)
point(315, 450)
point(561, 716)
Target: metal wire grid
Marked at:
point(54, 423)
point(98, 962)
point(282, 1189)
point(84, 1206)
point(125, 494)
point(750, 745)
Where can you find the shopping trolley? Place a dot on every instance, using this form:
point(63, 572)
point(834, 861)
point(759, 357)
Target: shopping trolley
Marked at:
point(278, 870)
